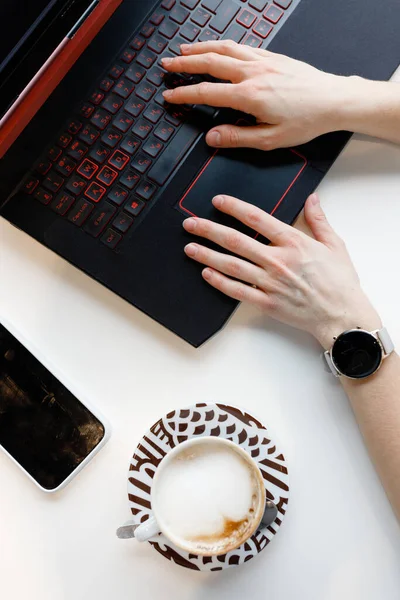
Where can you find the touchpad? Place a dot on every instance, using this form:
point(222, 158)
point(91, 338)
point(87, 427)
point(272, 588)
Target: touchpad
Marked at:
point(260, 178)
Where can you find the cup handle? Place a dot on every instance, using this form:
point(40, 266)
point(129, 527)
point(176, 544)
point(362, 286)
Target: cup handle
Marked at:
point(143, 532)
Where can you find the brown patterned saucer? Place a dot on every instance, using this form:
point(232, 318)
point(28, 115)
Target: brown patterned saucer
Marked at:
point(201, 420)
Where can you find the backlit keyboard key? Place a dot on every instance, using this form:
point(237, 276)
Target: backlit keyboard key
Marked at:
point(190, 31)
point(74, 126)
point(208, 36)
point(99, 153)
point(107, 175)
point(123, 122)
point(168, 4)
point(157, 17)
point(263, 29)
point(64, 140)
point(246, 18)
point(175, 45)
point(273, 14)
point(211, 5)
point(65, 166)
point(87, 169)
point(80, 212)
point(145, 190)
point(77, 150)
point(134, 206)
point(129, 179)
point(157, 44)
point(252, 41)
point(135, 73)
point(122, 222)
point(146, 58)
point(156, 76)
point(235, 32)
point(53, 182)
point(116, 71)
point(112, 103)
point(124, 88)
point(118, 160)
point(179, 14)
point(147, 30)
point(174, 153)
point(88, 135)
point(106, 84)
point(100, 119)
point(141, 163)
point(62, 203)
point(99, 219)
point(30, 184)
point(43, 196)
point(153, 113)
point(168, 29)
point(118, 195)
point(54, 153)
point(95, 191)
point(137, 43)
point(130, 144)
point(142, 128)
point(134, 106)
point(153, 147)
point(86, 110)
point(226, 12)
point(258, 4)
point(111, 238)
point(76, 185)
point(43, 167)
point(145, 91)
point(96, 98)
point(201, 17)
point(111, 137)
point(283, 3)
point(164, 131)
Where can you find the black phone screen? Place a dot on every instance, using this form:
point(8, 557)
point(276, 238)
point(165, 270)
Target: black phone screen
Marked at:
point(44, 427)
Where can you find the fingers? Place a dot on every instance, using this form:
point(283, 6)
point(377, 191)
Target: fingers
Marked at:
point(217, 65)
point(226, 47)
point(230, 265)
point(236, 289)
point(318, 223)
point(228, 238)
point(277, 232)
point(232, 136)
point(213, 94)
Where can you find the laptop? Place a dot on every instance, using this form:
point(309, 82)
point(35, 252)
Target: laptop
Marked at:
point(98, 168)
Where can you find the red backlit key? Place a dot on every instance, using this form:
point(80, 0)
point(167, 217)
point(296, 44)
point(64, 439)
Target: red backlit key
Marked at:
point(77, 150)
point(157, 44)
point(226, 12)
point(118, 195)
point(130, 144)
point(175, 45)
point(119, 160)
point(153, 146)
point(100, 119)
point(111, 238)
point(30, 184)
point(65, 166)
point(107, 175)
point(64, 140)
point(263, 29)
point(134, 206)
point(86, 110)
point(148, 29)
point(43, 167)
point(211, 5)
point(252, 41)
point(74, 126)
point(123, 122)
point(134, 106)
point(53, 182)
point(258, 4)
point(128, 55)
point(106, 84)
point(168, 4)
point(283, 3)
point(174, 115)
point(99, 153)
point(201, 17)
point(135, 73)
point(189, 31)
point(156, 76)
point(96, 98)
point(116, 71)
point(62, 203)
point(43, 196)
point(145, 190)
point(137, 43)
point(190, 3)
point(153, 113)
point(142, 128)
point(179, 14)
point(54, 153)
point(208, 36)
point(95, 191)
point(164, 131)
point(111, 137)
point(88, 135)
point(80, 212)
point(235, 32)
point(273, 14)
point(129, 179)
point(141, 163)
point(124, 88)
point(146, 58)
point(145, 90)
point(157, 17)
point(168, 29)
point(76, 185)
point(99, 219)
point(87, 169)
point(122, 223)
point(246, 18)
point(112, 103)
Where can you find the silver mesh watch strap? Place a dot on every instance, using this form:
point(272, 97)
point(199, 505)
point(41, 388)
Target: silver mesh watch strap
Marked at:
point(385, 340)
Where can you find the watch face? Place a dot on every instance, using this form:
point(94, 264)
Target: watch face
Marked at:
point(357, 354)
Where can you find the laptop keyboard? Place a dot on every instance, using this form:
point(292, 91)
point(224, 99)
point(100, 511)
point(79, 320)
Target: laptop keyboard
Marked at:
point(111, 158)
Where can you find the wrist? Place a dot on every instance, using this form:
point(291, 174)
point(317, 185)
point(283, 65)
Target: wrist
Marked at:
point(327, 331)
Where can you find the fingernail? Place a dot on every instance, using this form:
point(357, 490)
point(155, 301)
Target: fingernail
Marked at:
point(191, 249)
point(184, 47)
point(214, 138)
point(190, 224)
point(166, 61)
point(314, 199)
point(167, 94)
point(207, 274)
point(218, 201)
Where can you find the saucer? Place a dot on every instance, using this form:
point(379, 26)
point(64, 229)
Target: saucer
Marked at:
point(197, 420)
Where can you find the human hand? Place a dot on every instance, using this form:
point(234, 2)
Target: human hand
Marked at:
point(292, 101)
point(308, 283)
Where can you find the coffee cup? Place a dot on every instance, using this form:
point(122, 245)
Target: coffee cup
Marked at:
point(207, 497)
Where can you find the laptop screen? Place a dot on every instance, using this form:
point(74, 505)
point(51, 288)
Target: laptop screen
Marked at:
point(31, 31)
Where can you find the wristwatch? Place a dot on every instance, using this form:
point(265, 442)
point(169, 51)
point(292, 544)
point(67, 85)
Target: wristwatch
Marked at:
point(357, 353)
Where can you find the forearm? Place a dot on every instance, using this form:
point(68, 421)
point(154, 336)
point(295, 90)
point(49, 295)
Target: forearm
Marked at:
point(376, 405)
point(369, 107)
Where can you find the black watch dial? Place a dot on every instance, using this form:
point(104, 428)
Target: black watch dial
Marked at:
point(357, 354)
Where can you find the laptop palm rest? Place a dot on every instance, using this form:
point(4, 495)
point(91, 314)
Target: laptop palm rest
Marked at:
point(242, 173)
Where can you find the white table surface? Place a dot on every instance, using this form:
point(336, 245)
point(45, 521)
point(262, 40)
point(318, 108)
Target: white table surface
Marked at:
point(339, 540)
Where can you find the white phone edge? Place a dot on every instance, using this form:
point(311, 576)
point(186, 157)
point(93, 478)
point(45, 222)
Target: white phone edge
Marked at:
point(63, 379)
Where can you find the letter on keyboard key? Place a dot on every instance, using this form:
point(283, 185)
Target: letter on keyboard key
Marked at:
point(226, 12)
point(174, 152)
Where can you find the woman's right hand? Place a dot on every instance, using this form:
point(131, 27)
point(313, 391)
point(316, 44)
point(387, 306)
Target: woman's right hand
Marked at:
point(292, 101)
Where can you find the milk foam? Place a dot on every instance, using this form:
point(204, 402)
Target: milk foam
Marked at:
point(202, 490)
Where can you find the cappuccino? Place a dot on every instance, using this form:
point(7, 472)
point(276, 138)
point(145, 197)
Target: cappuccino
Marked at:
point(210, 497)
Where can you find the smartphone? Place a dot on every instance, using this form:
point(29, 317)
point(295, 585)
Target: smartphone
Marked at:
point(44, 428)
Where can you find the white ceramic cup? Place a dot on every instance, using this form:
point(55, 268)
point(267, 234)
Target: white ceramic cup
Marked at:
point(156, 524)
